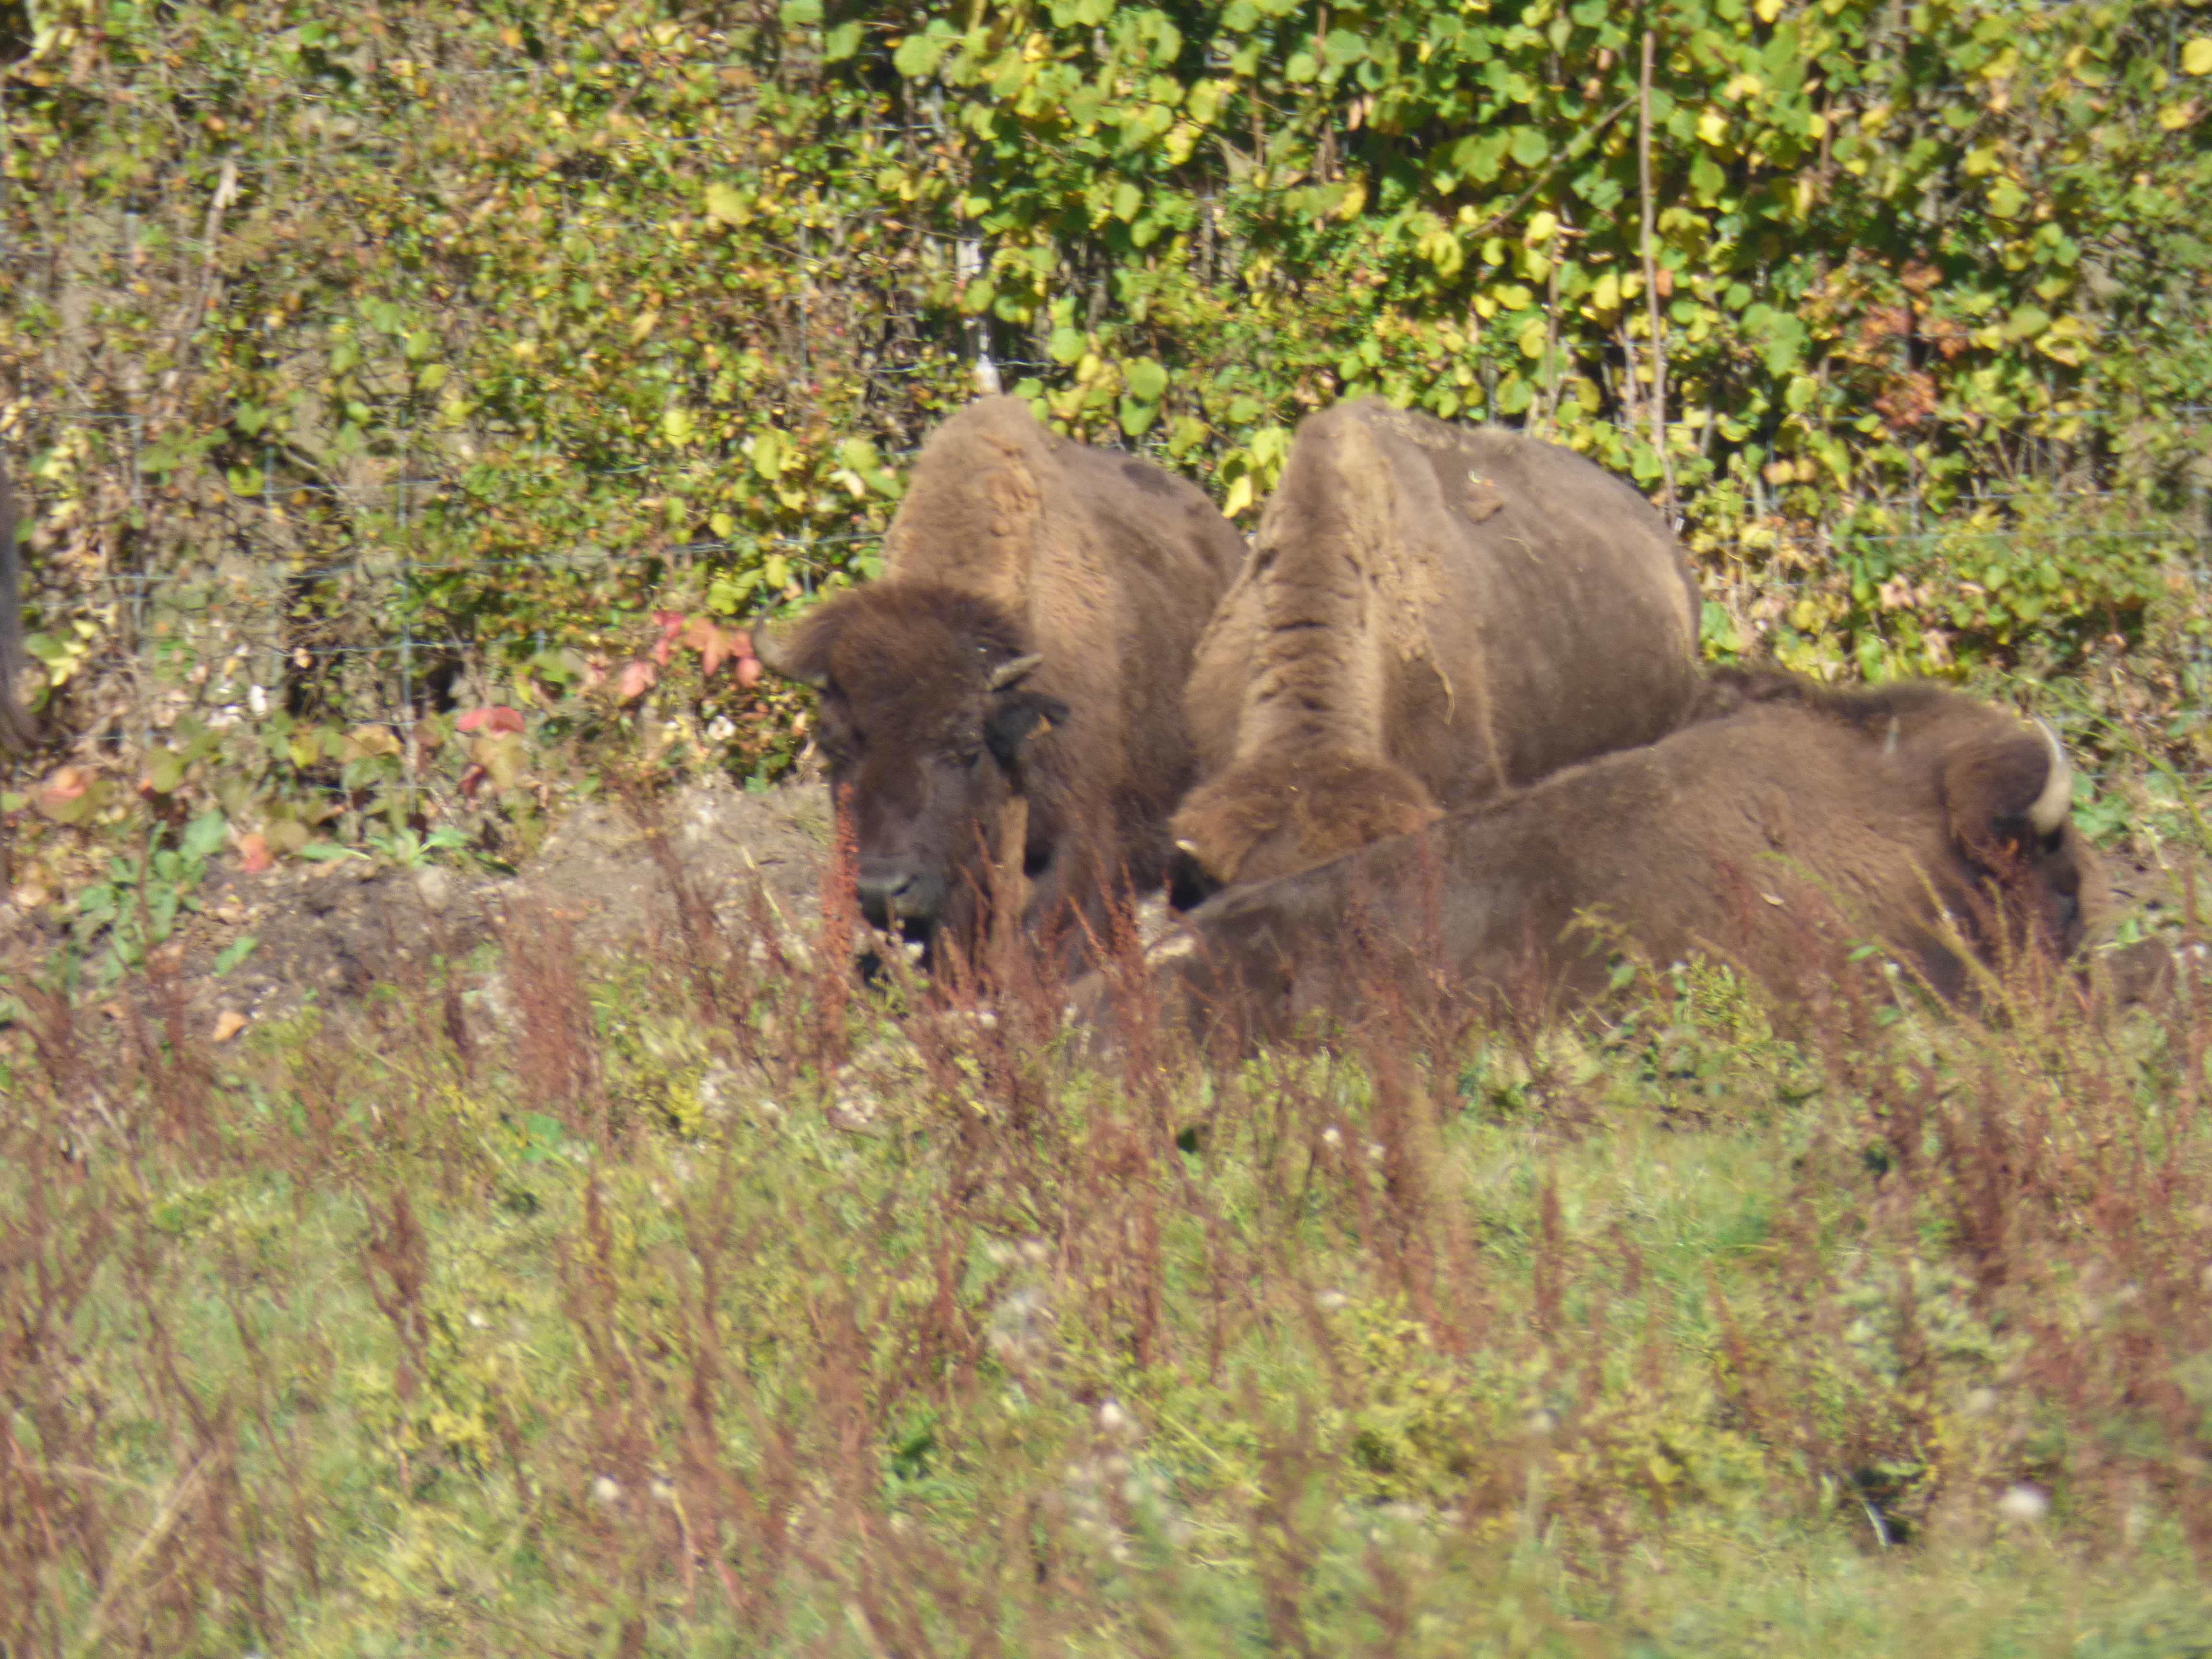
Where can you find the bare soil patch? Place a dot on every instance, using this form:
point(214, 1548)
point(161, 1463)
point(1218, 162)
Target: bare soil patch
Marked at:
point(332, 932)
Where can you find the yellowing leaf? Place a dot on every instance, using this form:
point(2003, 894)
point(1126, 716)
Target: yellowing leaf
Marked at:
point(2197, 55)
point(1768, 11)
point(1540, 228)
point(1712, 126)
point(2174, 117)
point(1532, 338)
point(1441, 249)
point(1239, 496)
point(726, 206)
point(767, 453)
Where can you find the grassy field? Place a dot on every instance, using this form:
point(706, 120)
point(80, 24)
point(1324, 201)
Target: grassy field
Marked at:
point(700, 1303)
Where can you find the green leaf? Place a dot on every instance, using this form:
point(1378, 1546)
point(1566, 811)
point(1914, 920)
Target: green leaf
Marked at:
point(1146, 380)
point(918, 54)
point(841, 42)
point(1137, 418)
point(726, 594)
point(323, 852)
point(236, 952)
point(801, 14)
point(1529, 146)
point(1068, 345)
point(1706, 179)
point(1480, 158)
point(2006, 199)
point(768, 455)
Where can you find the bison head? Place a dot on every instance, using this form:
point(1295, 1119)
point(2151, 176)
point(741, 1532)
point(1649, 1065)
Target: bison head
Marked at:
point(2010, 793)
point(930, 723)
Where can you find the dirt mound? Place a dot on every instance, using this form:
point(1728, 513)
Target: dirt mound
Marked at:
point(332, 932)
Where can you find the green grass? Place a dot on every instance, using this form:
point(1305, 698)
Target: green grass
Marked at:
point(1701, 1329)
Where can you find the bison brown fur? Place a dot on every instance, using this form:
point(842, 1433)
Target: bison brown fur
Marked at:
point(1431, 615)
point(1003, 709)
point(1785, 817)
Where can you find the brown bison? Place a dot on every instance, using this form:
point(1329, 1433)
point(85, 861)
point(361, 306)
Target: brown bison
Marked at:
point(1431, 617)
point(17, 730)
point(1010, 694)
point(1786, 823)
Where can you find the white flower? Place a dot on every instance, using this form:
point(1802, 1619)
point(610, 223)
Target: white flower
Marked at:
point(604, 1491)
point(2024, 1503)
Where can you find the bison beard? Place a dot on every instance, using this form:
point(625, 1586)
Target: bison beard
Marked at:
point(17, 731)
point(1004, 708)
point(1787, 818)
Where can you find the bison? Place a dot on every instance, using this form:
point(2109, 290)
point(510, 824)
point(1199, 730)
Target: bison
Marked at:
point(1784, 823)
point(1007, 703)
point(1431, 615)
point(17, 731)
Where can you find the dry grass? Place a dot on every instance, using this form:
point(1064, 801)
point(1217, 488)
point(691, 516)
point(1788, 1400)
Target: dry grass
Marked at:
point(706, 1301)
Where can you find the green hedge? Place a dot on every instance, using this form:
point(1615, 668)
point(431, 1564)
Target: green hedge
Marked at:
point(484, 330)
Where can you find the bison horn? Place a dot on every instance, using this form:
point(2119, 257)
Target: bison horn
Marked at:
point(1007, 673)
point(770, 650)
point(2056, 801)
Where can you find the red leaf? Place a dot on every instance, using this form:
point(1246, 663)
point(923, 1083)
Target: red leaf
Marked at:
point(713, 645)
point(253, 854)
point(494, 718)
point(670, 623)
point(67, 784)
point(749, 671)
point(471, 780)
point(638, 677)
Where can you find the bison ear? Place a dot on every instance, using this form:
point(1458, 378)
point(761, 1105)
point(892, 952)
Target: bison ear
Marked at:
point(801, 656)
point(1019, 720)
point(2008, 788)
